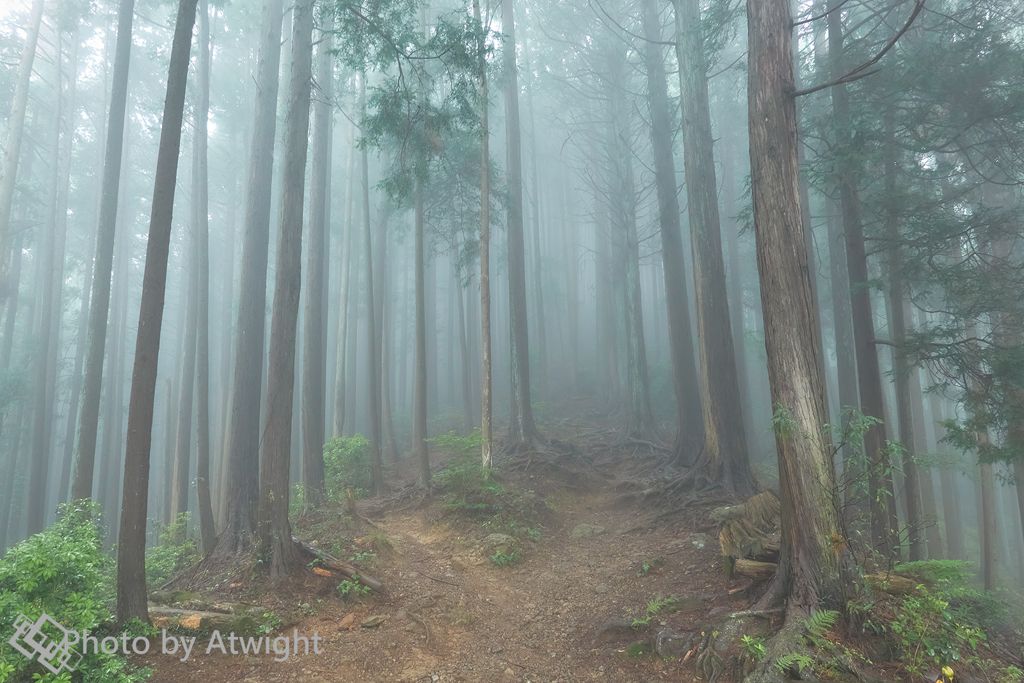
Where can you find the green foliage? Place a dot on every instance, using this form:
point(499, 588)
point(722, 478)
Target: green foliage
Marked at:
point(654, 607)
point(352, 587)
point(936, 570)
point(469, 487)
point(754, 647)
point(346, 463)
point(787, 662)
point(818, 627)
point(269, 623)
point(929, 633)
point(507, 559)
point(1010, 674)
point(175, 552)
point(64, 573)
point(464, 447)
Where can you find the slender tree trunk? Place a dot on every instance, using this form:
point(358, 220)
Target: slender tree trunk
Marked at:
point(420, 401)
point(383, 315)
point(207, 528)
point(187, 383)
point(724, 458)
point(81, 486)
point(690, 437)
point(485, 241)
point(521, 429)
point(882, 500)
point(16, 126)
point(47, 245)
point(279, 553)
point(344, 307)
point(314, 356)
point(464, 364)
point(131, 549)
point(6, 501)
point(373, 352)
point(538, 272)
point(244, 438)
point(816, 568)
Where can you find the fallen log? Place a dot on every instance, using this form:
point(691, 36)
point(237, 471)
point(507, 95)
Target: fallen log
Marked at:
point(754, 569)
point(162, 617)
point(333, 563)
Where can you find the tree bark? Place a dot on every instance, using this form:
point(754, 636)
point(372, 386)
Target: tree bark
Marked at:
point(485, 242)
point(244, 439)
point(314, 356)
point(131, 549)
point(88, 422)
point(724, 459)
point(684, 369)
point(522, 430)
point(207, 528)
point(275, 546)
point(816, 568)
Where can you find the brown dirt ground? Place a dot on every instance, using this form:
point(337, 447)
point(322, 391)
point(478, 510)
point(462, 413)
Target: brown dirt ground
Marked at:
point(475, 621)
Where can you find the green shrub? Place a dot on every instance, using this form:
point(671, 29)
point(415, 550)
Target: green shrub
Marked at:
point(469, 486)
point(175, 552)
point(346, 463)
point(63, 573)
point(459, 445)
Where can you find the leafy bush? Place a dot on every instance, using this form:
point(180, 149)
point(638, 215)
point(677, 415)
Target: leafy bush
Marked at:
point(469, 486)
point(175, 552)
point(346, 463)
point(63, 573)
point(929, 633)
point(459, 445)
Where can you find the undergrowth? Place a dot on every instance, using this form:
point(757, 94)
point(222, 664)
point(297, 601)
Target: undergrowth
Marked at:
point(63, 573)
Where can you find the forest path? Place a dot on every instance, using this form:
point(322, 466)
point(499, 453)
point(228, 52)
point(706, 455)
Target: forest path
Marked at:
point(450, 615)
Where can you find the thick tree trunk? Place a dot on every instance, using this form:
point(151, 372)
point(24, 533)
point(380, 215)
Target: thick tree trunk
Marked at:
point(521, 427)
point(244, 438)
point(314, 356)
point(16, 128)
point(131, 549)
point(275, 546)
point(724, 459)
point(81, 486)
point(684, 369)
point(816, 568)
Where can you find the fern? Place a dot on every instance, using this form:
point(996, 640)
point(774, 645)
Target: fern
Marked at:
point(818, 626)
point(786, 662)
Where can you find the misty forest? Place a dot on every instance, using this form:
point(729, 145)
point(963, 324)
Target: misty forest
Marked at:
point(512, 340)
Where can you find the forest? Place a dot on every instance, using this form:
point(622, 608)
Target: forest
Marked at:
point(520, 340)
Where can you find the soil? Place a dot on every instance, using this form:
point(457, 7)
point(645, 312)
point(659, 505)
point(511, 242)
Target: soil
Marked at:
point(450, 614)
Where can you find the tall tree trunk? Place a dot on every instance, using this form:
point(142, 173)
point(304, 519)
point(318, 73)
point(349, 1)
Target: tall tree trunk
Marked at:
point(724, 458)
point(131, 549)
point(187, 383)
point(244, 438)
point(88, 423)
point(16, 126)
point(466, 372)
point(373, 352)
point(6, 500)
point(389, 444)
point(420, 400)
point(348, 260)
point(690, 437)
point(882, 501)
point(521, 428)
point(639, 418)
point(207, 528)
point(47, 245)
point(280, 555)
point(816, 568)
point(314, 356)
point(538, 282)
point(485, 241)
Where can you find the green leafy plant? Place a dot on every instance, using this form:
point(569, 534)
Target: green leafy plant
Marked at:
point(269, 623)
point(175, 552)
point(928, 632)
point(654, 607)
point(64, 573)
point(787, 662)
point(513, 556)
point(346, 463)
point(352, 587)
point(754, 647)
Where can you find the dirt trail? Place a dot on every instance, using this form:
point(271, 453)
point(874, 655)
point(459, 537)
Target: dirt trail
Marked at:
point(451, 615)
